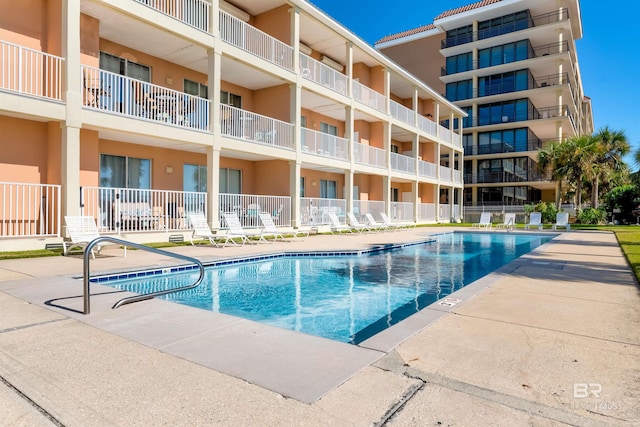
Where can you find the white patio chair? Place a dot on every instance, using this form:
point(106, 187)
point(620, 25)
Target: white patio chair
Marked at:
point(357, 225)
point(509, 222)
point(387, 221)
point(375, 224)
point(535, 221)
point(562, 220)
point(201, 229)
point(82, 231)
point(269, 229)
point(234, 229)
point(485, 221)
point(337, 226)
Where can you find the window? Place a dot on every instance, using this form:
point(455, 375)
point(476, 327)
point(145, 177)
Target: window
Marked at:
point(459, 36)
point(328, 189)
point(124, 172)
point(457, 91)
point(124, 67)
point(228, 98)
point(467, 144)
point(302, 186)
point(504, 83)
point(328, 129)
point(504, 24)
point(196, 89)
point(503, 112)
point(459, 63)
point(194, 178)
point(394, 148)
point(230, 181)
point(504, 54)
point(395, 194)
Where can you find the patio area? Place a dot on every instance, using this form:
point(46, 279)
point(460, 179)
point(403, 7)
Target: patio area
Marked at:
point(552, 338)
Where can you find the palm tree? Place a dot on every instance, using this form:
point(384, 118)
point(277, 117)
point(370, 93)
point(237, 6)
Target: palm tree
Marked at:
point(579, 155)
point(551, 158)
point(611, 147)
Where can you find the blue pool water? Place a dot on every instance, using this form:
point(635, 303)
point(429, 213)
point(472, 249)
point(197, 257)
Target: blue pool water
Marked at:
point(344, 298)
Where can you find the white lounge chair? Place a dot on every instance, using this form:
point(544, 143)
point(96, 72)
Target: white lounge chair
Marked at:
point(562, 220)
point(357, 225)
point(485, 221)
point(269, 229)
point(509, 222)
point(201, 229)
point(391, 224)
point(234, 229)
point(535, 221)
point(375, 224)
point(82, 231)
point(337, 226)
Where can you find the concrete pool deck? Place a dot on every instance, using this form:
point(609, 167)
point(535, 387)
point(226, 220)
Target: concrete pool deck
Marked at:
point(551, 339)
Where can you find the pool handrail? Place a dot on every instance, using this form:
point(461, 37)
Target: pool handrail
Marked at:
point(134, 298)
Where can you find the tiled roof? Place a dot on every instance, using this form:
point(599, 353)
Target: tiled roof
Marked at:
point(406, 33)
point(465, 8)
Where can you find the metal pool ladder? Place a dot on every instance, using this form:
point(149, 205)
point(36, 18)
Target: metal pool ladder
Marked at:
point(135, 298)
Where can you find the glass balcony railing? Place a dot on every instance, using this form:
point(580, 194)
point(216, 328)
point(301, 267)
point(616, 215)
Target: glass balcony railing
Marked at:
point(252, 127)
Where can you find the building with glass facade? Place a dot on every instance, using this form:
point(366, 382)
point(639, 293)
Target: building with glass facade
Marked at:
point(512, 66)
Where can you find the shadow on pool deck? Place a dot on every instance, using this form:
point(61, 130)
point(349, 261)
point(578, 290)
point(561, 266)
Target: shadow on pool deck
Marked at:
point(513, 346)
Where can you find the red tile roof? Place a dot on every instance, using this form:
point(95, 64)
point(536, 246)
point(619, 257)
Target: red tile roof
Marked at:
point(465, 8)
point(406, 33)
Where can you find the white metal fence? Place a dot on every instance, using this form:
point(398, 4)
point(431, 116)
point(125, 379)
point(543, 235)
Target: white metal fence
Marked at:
point(402, 211)
point(250, 39)
point(237, 123)
point(118, 94)
point(322, 74)
point(322, 144)
point(374, 207)
point(402, 163)
point(368, 96)
point(426, 169)
point(249, 206)
point(367, 155)
point(29, 210)
point(192, 12)
point(427, 126)
point(133, 210)
point(30, 72)
point(402, 113)
point(445, 173)
point(315, 211)
point(427, 212)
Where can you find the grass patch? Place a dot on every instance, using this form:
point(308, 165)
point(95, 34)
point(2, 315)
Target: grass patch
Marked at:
point(29, 254)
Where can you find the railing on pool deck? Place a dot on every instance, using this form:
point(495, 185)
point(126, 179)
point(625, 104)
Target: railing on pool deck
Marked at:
point(135, 298)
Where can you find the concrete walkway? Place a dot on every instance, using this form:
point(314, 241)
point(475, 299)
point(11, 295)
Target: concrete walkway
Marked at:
point(551, 339)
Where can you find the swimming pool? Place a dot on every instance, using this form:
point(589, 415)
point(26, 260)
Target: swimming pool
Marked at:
point(347, 298)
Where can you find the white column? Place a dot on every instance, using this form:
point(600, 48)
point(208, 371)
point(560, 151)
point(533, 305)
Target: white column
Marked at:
point(213, 151)
point(294, 191)
point(213, 187)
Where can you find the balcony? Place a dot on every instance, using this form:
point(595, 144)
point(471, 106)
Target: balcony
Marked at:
point(402, 163)
point(515, 86)
point(250, 39)
point(402, 113)
point(194, 13)
point(426, 169)
point(445, 174)
point(325, 145)
point(112, 93)
point(315, 211)
point(370, 97)
point(544, 19)
point(530, 114)
point(29, 210)
point(252, 127)
point(427, 126)
point(531, 145)
point(322, 74)
point(370, 156)
point(30, 72)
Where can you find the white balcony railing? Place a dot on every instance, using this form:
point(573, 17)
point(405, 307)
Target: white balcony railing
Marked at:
point(250, 39)
point(445, 212)
point(113, 93)
point(402, 113)
point(367, 155)
point(315, 211)
point(249, 206)
point(427, 212)
point(427, 126)
point(322, 74)
point(191, 12)
point(456, 139)
point(426, 169)
point(402, 211)
point(374, 207)
point(322, 144)
point(402, 163)
point(30, 72)
point(445, 173)
point(241, 124)
point(445, 134)
point(29, 210)
point(134, 210)
point(457, 176)
point(368, 96)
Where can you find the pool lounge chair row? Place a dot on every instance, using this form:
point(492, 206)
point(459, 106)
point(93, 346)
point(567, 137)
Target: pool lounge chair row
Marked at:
point(236, 234)
point(535, 221)
point(355, 226)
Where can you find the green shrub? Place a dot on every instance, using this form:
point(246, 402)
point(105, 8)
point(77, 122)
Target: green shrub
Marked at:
point(591, 216)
